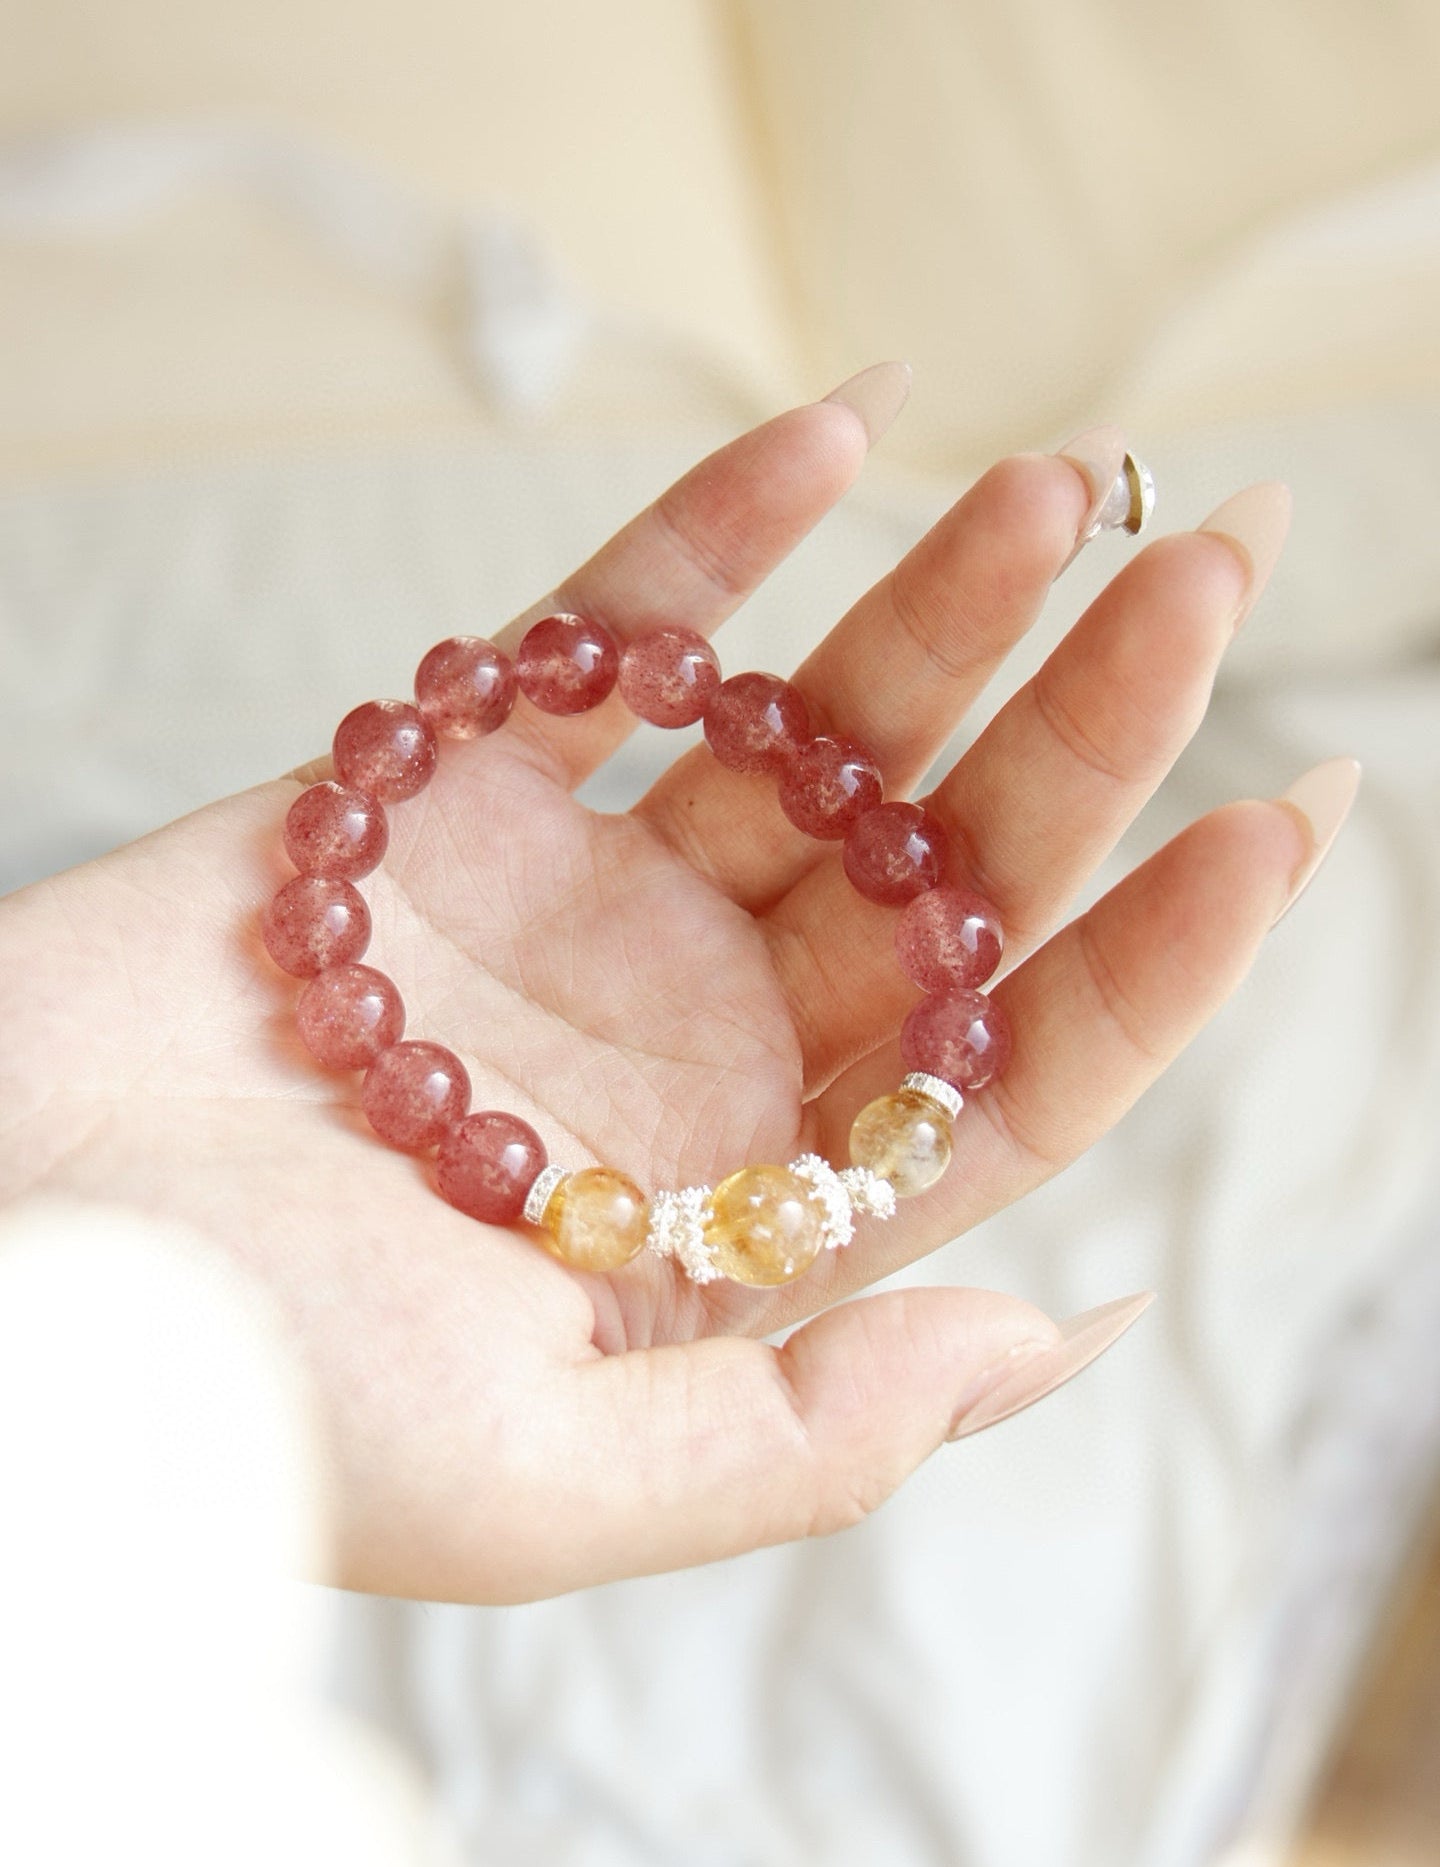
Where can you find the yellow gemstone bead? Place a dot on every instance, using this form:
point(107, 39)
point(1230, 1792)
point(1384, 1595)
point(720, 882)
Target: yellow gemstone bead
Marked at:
point(596, 1220)
point(905, 1138)
point(767, 1226)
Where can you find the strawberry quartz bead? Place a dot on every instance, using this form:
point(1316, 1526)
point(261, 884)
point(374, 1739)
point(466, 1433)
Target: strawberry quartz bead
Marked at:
point(385, 747)
point(567, 664)
point(413, 1092)
point(465, 686)
point(332, 830)
point(894, 853)
point(756, 722)
point(314, 922)
point(488, 1163)
point(960, 1036)
point(948, 937)
point(668, 676)
point(829, 785)
point(348, 1015)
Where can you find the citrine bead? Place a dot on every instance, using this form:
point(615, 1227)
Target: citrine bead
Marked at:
point(905, 1138)
point(596, 1220)
point(767, 1226)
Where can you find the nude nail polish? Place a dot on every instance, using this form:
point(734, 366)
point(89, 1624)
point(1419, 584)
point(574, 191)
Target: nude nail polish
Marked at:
point(876, 394)
point(1256, 521)
point(1323, 797)
point(1023, 1379)
point(1099, 453)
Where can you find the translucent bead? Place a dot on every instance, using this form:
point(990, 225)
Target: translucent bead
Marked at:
point(668, 675)
point(905, 1138)
point(413, 1092)
point(756, 722)
point(566, 664)
point(385, 747)
point(487, 1164)
point(829, 785)
point(767, 1227)
point(315, 921)
point(332, 830)
point(894, 853)
point(348, 1015)
point(948, 937)
point(596, 1220)
point(465, 686)
point(959, 1035)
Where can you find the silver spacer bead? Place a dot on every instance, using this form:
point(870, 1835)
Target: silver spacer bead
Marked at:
point(1129, 503)
point(868, 1192)
point(677, 1230)
point(838, 1227)
point(544, 1184)
point(938, 1090)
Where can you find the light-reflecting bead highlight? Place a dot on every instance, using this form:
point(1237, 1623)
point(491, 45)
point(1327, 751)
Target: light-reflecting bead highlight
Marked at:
point(385, 748)
point(595, 1220)
point(903, 1137)
point(767, 1227)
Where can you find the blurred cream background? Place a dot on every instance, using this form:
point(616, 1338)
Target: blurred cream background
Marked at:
point(326, 332)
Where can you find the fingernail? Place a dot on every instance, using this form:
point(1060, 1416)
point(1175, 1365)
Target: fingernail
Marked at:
point(876, 394)
point(1323, 798)
point(1099, 454)
point(1255, 520)
point(1041, 1371)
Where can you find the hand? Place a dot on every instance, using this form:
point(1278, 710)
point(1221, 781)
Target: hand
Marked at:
point(676, 991)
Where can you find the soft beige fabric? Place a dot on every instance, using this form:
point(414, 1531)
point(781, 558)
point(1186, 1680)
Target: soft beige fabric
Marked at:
point(1019, 198)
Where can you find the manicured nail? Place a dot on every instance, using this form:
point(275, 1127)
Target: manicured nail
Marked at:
point(877, 396)
point(1254, 520)
point(1099, 454)
point(1323, 798)
point(1023, 1379)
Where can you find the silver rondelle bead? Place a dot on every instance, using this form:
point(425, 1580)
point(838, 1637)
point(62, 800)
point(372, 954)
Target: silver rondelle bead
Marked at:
point(938, 1090)
point(538, 1198)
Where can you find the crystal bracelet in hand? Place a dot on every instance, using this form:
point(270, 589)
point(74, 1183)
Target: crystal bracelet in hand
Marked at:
point(761, 1225)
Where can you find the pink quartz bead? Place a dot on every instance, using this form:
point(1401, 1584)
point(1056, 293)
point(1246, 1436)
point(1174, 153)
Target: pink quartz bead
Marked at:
point(413, 1092)
point(332, 830)
point(314, 922)
point(948, 937)
point(960, 1036)
point(385, 747)
point(894, 853)
point(488, 1163)
point(829, 785)
point(465, 686)
point(756, 722)
point(567, 664)
point(668, 675)
point(348, 1014)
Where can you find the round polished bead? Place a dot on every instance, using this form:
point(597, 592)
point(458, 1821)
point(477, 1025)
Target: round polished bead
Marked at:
point(385, 747)
point(332, 830)
point(566, 664)
point(413, 1092)
point(904, 1137)
point(959, 1035)
point(829, 785)
point(756, 722)
point(767, 1228)
point(948, 937)
point(348, 1015)
point(315, 921)
point(488, 1163)
point(596, 1220)
point(894, 853)
point(668, 675)
point(465, 686)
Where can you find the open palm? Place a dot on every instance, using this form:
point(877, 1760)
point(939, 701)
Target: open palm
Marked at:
point(675, 991)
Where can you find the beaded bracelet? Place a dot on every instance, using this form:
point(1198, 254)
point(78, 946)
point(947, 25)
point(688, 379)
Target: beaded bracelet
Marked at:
point(762, 1225)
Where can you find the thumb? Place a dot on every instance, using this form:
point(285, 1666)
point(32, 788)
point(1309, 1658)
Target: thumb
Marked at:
point(687, 1453)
